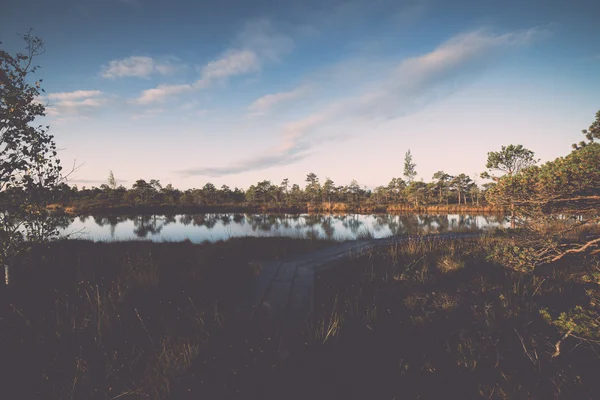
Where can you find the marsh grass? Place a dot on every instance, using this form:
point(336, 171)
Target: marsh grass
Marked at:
point(423, 319)
point(435, 320)
point(91, 320)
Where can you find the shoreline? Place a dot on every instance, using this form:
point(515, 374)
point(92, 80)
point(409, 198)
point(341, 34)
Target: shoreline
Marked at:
point(76, 210)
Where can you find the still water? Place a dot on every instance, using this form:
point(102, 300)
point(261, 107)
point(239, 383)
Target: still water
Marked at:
point(214, 227)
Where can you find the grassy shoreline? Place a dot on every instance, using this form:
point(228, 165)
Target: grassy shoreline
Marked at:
point(103, 208)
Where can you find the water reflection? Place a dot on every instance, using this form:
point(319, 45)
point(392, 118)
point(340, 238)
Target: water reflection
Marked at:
point(213, 227)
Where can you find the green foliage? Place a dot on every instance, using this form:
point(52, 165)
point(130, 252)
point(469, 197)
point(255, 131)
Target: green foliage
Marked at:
point(313, 188)
point(579, 321)
point(591, 134)
point(29, 169)
point(552, 202)
point(518, 257)
point(510, 159)
point(409, 167)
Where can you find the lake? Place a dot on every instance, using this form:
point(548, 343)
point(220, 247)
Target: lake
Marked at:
point(214, 227)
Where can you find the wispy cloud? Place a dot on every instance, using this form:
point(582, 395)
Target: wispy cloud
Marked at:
point(256, 45)
point(74, 103)
point(147, 113)
point(232, 63)
point(75, 95)
point(264, 104)
point(139, 67)
point(261, 162)
point(160, 93)
point(408, 87)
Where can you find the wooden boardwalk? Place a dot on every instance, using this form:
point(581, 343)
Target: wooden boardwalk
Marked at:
point(281, 294)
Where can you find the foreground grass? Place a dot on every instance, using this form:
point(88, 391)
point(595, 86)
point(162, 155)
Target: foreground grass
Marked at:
point(417, 320)
point(87, 320)
point(436, 320)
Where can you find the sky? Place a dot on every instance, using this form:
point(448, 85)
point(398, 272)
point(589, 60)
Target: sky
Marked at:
point(234, 92)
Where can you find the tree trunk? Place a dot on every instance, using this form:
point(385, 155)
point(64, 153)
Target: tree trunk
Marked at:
point(7, 272)
point(512, 216)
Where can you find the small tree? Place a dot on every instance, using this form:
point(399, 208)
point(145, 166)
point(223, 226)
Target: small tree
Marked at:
point(313, 188)
point(510, 160)
point(29, 167)
point(328, 190)
point(442, 179)
point(409, 167)
point(112, 182)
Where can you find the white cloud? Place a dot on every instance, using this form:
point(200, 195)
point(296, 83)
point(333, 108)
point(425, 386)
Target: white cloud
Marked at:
point(77, 94)
point(138, 67)
point(160, 93)
point(267, 102)
point(236, 62)
point(73, 104)
point(407, 88)
point(256, 45)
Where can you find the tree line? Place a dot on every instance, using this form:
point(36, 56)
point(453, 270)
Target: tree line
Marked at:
point(443, 189)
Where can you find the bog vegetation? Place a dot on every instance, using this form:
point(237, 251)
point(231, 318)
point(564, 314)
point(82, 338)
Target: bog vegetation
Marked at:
point(511, 315)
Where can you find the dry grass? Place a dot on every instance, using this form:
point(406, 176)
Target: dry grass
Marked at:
point(122, 320)
point(450, 263)
point(445, 301)
point(473, 327)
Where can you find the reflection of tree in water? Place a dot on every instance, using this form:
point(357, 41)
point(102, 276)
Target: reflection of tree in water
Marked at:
point(425, 223)
point(198, 220)
point(469, 221)
point(112, 221)
point(496, 219)
point(353, 223)
point(380, 221)
point(239, 219)
point(312, 219)
point(409, 224)
point(60, 222)
point(328, 227)
point(225, 220)
point(285, 221)
point(147, 224)
point(444, 223)
point(394, 225)
point(186, 219)
point(210, 220)
point(264, 222)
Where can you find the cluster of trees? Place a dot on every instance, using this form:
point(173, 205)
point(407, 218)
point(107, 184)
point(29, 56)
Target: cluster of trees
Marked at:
point(443, 189)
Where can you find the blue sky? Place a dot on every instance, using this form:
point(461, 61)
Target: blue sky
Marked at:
point(234, 92)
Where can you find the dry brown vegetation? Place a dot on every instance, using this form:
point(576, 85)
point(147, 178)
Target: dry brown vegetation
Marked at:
point(417, 319)
point(432, 319)
point(121, 320)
